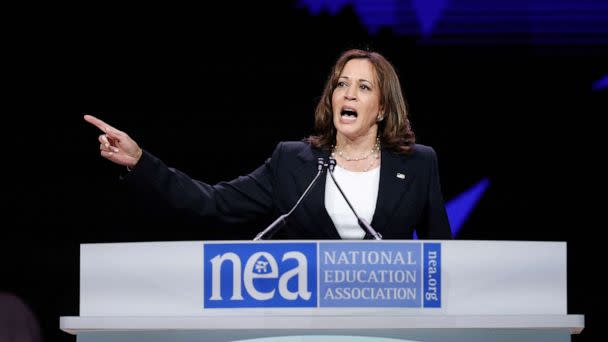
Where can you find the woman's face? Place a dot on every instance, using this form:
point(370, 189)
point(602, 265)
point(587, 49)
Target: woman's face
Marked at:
point(356, 100)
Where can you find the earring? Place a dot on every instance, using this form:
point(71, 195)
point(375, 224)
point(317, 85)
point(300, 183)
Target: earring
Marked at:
point(380, 118)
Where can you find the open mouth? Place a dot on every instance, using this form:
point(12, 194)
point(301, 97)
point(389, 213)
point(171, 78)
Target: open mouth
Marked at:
point(348, 112)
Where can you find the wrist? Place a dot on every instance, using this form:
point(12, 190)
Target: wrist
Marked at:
point(137, 157)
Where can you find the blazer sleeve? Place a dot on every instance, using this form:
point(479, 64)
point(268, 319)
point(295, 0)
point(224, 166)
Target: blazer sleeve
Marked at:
point(435, 218)
point(240, 200)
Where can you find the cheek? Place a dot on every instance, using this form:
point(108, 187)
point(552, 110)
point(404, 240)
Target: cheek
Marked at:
point(334, 100)
point(371, 112)
point(374, 107)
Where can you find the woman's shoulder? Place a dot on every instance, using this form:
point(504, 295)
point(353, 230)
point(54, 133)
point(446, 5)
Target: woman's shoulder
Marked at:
point(421, 157)
point(294, 146)
point(418, 152)
point(424, 151)
point(290, 150)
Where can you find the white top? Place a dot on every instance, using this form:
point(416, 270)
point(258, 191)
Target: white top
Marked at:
point(361, 189)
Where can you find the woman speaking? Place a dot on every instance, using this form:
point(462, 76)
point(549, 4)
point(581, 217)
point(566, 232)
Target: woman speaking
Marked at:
point(361, 123)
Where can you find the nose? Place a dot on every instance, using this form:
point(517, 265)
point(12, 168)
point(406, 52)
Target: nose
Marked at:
point(350, 93)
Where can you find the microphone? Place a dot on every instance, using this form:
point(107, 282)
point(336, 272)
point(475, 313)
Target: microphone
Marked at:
point(362, 223)
point(281, 219)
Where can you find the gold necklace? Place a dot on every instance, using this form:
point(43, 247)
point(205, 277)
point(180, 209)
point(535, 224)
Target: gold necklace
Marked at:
point(372, 162)
point(340, 153)
point(375, 152)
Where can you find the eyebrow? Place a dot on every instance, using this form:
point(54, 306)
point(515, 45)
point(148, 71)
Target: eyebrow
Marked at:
point(361, 79)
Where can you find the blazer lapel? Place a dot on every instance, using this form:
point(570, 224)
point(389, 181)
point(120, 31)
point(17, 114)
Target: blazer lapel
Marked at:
point(314, 204)
point(394, 183)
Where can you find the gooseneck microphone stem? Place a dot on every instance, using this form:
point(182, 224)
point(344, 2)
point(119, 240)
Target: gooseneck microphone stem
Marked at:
point(361, 221)
point(273, 225)
point(281, 219)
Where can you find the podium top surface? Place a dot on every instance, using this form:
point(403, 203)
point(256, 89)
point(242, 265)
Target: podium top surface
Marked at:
point(574, 324)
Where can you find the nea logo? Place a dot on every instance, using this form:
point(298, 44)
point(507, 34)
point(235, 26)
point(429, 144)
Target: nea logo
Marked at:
point(247, 275)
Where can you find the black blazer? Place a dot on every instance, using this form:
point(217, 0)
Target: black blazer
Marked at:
point(404, 204)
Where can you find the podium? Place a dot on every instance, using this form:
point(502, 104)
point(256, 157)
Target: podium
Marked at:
point(391, 290)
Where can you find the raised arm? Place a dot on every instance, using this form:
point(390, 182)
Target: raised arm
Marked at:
point(242, 199)
point(115, 145)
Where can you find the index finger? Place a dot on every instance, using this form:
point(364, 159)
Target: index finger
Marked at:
point(98, 123)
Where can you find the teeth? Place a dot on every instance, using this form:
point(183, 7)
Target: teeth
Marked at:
point(349, 112)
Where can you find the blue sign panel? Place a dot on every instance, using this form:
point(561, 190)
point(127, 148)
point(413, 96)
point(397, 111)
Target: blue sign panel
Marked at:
point(370, 274)
point(323, 274)
point(432, 275)
point(260, 275)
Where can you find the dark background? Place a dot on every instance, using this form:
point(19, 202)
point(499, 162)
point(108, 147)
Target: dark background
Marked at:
point(214, 98)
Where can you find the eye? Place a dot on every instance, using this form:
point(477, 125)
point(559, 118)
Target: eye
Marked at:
point(364, 87)
point(341, 84)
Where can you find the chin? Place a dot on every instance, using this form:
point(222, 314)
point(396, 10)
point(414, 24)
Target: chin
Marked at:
point(348, 133)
